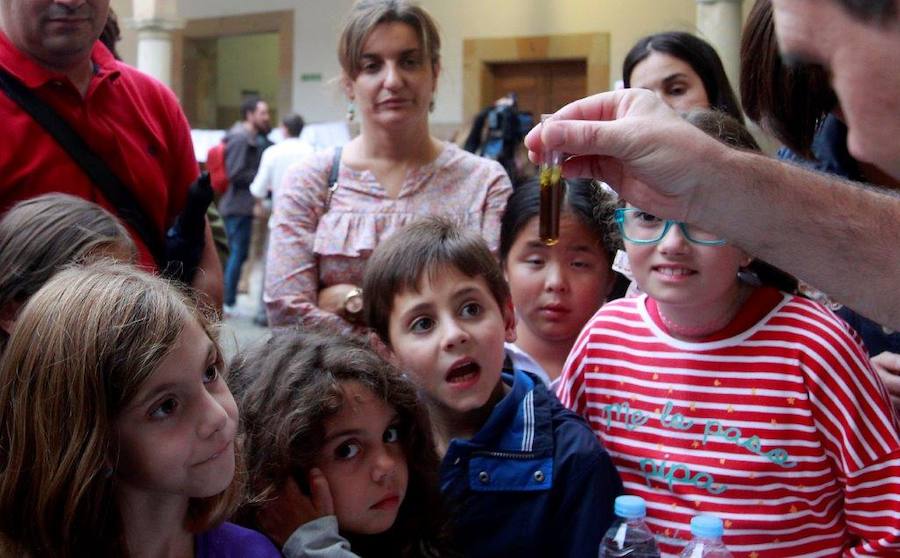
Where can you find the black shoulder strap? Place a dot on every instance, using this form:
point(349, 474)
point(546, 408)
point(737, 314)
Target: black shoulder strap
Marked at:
point(332, 177)
point(112, 187)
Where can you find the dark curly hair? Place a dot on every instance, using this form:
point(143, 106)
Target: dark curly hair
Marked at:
point(288, 388)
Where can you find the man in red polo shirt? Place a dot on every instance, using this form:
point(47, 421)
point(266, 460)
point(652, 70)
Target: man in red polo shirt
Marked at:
point(131, 121)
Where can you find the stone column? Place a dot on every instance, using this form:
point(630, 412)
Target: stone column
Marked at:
point(720, 23)
point(155, 20)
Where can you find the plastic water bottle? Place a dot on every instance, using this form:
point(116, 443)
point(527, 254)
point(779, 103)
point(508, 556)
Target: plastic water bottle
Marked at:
point(707, 541)
point(629, 535)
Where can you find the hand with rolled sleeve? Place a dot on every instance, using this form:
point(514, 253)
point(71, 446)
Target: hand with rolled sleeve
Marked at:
point(822, 229)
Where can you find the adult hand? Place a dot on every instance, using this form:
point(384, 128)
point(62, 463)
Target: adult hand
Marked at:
point(888, 367)
point(635, 143)
point(290, 508)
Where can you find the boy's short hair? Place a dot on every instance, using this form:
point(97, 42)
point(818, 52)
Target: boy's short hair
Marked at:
point(427, 246)
point(293, 123)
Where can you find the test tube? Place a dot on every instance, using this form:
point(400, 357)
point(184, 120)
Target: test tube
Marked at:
point(552, 192)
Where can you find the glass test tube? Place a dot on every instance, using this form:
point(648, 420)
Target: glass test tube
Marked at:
point(552, 192)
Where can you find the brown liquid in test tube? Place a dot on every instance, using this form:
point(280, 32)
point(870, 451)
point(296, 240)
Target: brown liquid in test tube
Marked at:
point(552, 191)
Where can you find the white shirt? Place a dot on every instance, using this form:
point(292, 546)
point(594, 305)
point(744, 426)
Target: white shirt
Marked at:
point(274, 164)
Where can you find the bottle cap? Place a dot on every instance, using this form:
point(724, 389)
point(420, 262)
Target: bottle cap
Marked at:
point(630, 507)
point(707, 526)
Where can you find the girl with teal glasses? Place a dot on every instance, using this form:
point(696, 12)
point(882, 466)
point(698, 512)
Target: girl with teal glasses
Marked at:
point(719, 394)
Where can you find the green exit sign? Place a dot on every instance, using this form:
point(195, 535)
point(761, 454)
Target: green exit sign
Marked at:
point(310, 77)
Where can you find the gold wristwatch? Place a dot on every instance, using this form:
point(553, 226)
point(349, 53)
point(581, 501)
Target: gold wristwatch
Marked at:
point(353, 304)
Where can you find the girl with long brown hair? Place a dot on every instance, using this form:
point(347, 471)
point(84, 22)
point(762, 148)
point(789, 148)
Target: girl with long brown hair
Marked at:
point(117, 430)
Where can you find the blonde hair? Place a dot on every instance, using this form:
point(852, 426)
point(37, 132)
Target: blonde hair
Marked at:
point(81, 349)
point(365, 15)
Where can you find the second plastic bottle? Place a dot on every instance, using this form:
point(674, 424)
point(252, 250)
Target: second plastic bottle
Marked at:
point(629, 535)
point(707, 542)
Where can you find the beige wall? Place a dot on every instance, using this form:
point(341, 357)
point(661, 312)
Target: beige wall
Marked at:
point(317, 22)
point(253, 54)
point(624, 20)
point(127, 47)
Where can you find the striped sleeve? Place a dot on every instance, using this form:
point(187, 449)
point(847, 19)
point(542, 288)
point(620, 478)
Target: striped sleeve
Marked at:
point(570, 389)
point(857, 422)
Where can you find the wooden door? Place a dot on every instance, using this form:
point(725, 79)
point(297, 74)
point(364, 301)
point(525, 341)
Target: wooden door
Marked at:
point(542, 86)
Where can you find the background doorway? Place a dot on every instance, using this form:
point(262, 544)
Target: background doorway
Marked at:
point(542, 87)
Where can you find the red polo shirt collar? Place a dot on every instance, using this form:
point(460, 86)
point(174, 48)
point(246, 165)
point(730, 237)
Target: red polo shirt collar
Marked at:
point(33, 75)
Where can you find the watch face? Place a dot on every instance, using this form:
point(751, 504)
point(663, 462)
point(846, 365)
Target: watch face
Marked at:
point(354, 304)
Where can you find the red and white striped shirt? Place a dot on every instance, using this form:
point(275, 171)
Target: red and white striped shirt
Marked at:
point(782, 430)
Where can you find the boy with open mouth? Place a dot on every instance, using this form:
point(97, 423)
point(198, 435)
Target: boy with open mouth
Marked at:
point(523, 475)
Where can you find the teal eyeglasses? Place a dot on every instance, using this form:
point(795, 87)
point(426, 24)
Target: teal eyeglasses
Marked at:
point(641, 227)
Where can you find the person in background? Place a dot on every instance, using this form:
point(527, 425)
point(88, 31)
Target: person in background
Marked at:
point(684, 71)
point(717, 395)
point(555, 289)
point(278, 158)
point(244, 146)
point(136, 125)
point(797, 105)
point(272, 168)
point(335, 208)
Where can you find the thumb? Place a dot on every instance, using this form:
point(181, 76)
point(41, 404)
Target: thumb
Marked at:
point(320, 492)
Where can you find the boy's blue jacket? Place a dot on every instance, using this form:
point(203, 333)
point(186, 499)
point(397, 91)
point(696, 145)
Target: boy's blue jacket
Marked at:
point(534, 481)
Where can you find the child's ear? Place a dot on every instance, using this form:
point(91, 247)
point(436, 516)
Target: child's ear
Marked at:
point(509, 320)
point(382, 349)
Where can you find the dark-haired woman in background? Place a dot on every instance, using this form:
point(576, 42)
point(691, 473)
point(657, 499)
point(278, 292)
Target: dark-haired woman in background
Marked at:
point(683, 70)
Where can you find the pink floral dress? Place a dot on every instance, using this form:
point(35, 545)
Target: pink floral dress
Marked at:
point(310, 249)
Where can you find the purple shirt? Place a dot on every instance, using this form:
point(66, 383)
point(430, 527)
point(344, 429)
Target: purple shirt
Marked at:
point(232, 541)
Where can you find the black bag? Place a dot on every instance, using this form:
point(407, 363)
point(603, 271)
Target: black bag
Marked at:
point(177, 254)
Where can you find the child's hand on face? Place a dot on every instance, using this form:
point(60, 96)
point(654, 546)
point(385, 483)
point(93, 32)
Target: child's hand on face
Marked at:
point(291, 508)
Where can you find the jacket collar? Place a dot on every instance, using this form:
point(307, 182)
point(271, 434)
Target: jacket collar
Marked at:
point(519, 422)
